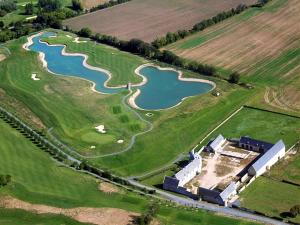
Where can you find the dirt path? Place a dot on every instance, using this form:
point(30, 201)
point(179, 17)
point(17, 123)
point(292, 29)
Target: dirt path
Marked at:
point(98, 216)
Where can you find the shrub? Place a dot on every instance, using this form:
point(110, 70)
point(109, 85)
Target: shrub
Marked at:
point(85, 32)
point(234, 78)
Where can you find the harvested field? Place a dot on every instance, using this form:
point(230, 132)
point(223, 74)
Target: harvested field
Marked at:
point(262, 43)
point(100, 216)
point(149, 19)
point(87, 4)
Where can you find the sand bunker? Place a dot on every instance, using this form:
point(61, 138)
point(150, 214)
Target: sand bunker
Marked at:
point(2, 57)
point(69, 36)
point(101, 129)
point(108, 188)
point(120, 141)
point(99, 216)
point(76, 40)
point(34, 77)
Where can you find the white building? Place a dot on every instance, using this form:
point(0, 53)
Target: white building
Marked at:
point(268, 159)
point(216, 145)
point(189, 172)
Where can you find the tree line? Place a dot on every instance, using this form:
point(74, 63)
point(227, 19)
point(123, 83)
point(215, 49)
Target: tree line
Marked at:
point(149, 51)
point(108, 4)
point(7, 6)
point(181, 34)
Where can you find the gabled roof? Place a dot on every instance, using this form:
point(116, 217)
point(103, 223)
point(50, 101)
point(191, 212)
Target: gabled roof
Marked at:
point(253, 142)
point(188, 168)
point(265, 158)
point(217, 141)
point(228, 191)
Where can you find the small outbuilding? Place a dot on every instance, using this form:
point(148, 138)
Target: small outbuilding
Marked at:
point(216, 145)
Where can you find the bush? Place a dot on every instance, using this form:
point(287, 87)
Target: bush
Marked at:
point(234, 78)
point(295, 211)
point(77, 5)
point(4, 180)
point(29, 9)
point(85, 32)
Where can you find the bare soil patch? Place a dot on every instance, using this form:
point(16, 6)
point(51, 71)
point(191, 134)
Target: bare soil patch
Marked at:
point(108, 188)
point(2, 57)
point(99, 216)
point(87, 4)
point(149, 19)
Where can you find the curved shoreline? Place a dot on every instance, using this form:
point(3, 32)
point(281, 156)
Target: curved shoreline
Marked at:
point(132, 98)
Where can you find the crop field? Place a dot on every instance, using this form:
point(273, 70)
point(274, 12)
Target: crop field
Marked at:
point(38, 179)
point(262, 44)
point(149, 19)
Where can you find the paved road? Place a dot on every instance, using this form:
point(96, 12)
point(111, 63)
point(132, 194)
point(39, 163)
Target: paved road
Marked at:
point(211, 207)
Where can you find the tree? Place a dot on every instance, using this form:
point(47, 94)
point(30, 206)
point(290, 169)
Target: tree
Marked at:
point(234, 78)
point(29, 9)
point(77, 5)
point(50, 5)
point(85, 32)
point(1, 24)
point(295, 210)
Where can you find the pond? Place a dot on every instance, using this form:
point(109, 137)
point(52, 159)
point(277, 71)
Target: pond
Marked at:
point(164, 87)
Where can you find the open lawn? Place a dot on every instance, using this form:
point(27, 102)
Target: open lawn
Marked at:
point(17, 217)
point(262, 44)
point(38, 179)
point(261, 125)
point(149, 19)
point(68, 104)
point(271, 197)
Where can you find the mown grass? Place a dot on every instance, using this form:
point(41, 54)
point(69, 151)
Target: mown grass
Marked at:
point(38, 179)
point(121, 64)
point(261, 125)
point(270, 197)
point(17, 217)
point(176, 131)
point(66, 104)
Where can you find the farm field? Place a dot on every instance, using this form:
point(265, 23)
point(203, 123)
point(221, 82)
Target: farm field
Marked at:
point(56, 96)
point(149, 19)
point(265, 49)
point(260, 196)
point(39, 180)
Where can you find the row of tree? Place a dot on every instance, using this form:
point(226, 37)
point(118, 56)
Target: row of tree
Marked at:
point(147, 217)
point(147, 50)
point(173, 37)
point(108, 4)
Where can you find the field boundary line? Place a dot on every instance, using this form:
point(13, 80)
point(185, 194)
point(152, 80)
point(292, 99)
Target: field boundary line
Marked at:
point(224, 121)
point(270, 111)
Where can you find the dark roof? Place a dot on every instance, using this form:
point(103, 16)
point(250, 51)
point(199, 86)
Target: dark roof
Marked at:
point(171, 181)
point(253, 142)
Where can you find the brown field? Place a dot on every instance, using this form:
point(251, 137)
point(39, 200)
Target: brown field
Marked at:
point(87, 4)
point(249, 44)
point(149, 19)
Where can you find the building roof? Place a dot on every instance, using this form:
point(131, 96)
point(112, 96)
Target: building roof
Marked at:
point(194, 164)
point(231, 188)
point(265, 158)
point(253, 142)
point(214, 144)
point(171, 181)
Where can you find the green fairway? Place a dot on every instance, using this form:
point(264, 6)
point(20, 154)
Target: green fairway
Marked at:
point(261, 125)
point(66, 104)
point(260, 196)
point(38, 179)
point(121, 64)
point(177, 130)
point(17, 217)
